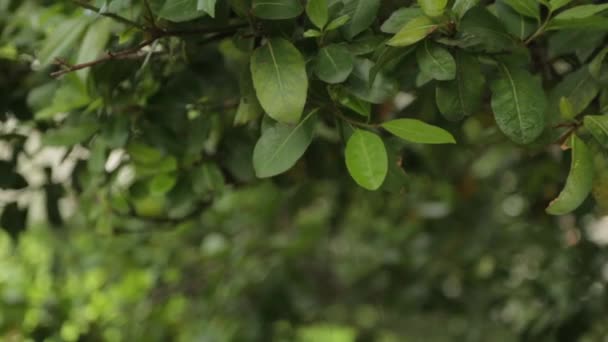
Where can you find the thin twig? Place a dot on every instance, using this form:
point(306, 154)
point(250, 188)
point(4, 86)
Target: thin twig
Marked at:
point(114, 16)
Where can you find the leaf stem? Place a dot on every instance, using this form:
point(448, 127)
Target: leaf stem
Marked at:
point(540, 31)
point(564, 137)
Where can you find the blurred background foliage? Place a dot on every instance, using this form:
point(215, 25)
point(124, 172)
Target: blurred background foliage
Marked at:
point(131, 211)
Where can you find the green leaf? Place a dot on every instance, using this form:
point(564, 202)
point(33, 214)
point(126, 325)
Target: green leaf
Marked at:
point(207, 178)
point(144, 154)
point(557, 4)
point(318, 12)
point(365, 44)
point(93, 43)
point(150, 207)
point(279, 79)
point(241, 7)
point(181, 10)
point(573, 42)
point(603, 101)
point(277, 9)
point(461, 7)
point(396, 178)
point(362, 14)
point(515, 23)
point(436, 61)
point(519, 104)
point(162, 183)
point(481, 29)
point(281, 145)
point(207, 6)
point(71, 95)
point(581, 12)
point(462, 96)
point(589, 23)
point(598, 68)
point(334, 63)
point(578, 87)
point(422, 79)
point(528, 8)
point(312, 33)
point(164, 165)
point(360, 85)
point(249, 107)
point(337, 23)
point(112, 5)
point(61, 40)
point(326, 333)
point(417, 131)
point(366, 159)
point(344, 98)
point(399, 18)
point(565, 108)
point(97, 156)
point(70, 135)
point(598, 126)
point(388, 58)
point(433, 8)
point(414, 31)
point(579, 182)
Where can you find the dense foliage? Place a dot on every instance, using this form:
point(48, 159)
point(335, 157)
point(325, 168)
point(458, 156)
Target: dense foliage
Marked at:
point(286, 170)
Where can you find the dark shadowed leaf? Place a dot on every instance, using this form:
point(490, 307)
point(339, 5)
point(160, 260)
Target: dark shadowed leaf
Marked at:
point(481, 29)
point(519, 103)
point(436, 61)
point(334, 63)
point(276, 9)
point(462, 96)
point(362, 14)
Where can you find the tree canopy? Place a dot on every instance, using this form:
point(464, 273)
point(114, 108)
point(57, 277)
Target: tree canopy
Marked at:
point(290, 170)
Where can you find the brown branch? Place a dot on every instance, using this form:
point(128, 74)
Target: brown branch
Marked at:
point(566, 125)
point(124, 54)
point(114, 16)
point(156, 33)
